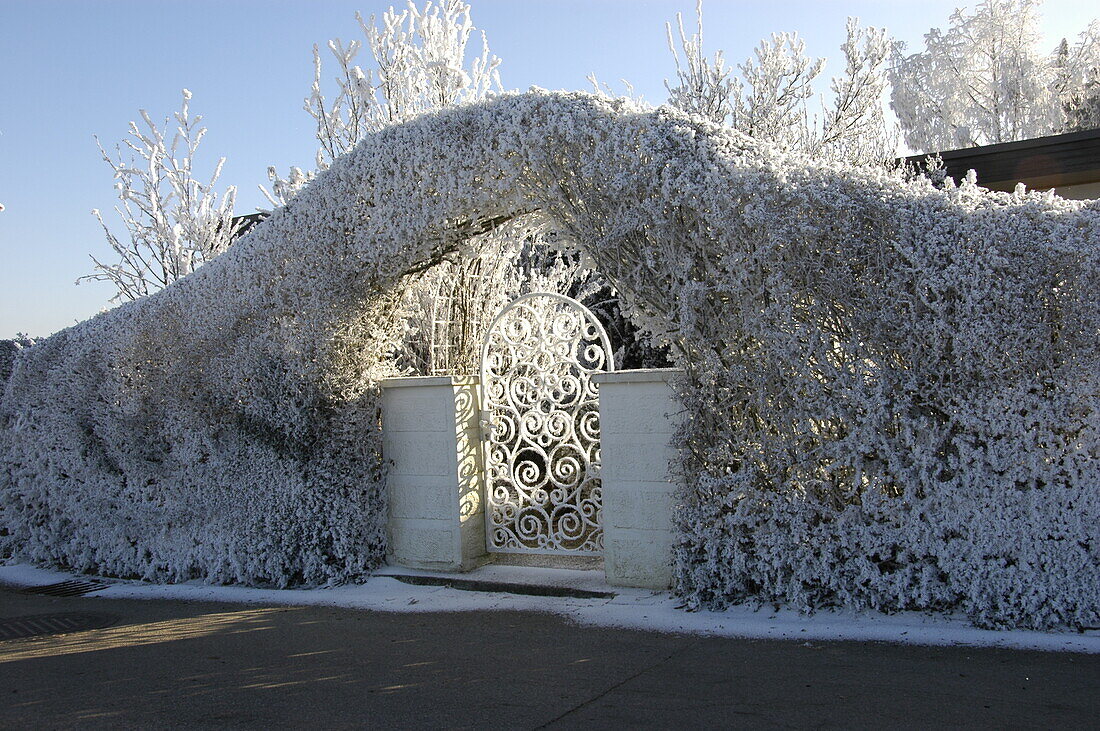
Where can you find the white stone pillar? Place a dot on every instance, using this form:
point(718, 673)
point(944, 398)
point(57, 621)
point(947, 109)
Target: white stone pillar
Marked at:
point(638, 416)
point(431, 440)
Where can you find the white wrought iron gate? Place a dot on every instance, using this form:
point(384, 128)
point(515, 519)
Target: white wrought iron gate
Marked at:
point(540, 426)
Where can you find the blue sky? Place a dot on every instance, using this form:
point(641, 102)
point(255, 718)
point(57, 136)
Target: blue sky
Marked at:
point(74, 69)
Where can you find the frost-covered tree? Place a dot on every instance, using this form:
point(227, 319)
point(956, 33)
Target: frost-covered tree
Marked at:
point(1083, 109)
point(985, 80)
point(704, 86)
point(174, 222)
point(770, 98)
point(1077, 73)
point(854, 127)
point(419, 64)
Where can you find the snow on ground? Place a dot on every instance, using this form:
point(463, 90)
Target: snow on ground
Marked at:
point(629, 608)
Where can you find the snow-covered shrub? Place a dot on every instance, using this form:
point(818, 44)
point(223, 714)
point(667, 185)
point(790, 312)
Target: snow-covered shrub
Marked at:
point(890, 389)
point(9, 349)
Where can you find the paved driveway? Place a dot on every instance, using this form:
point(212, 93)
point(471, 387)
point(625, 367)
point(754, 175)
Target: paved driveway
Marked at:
point(192, 665)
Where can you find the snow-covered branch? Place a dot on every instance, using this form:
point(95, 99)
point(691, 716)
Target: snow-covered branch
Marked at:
point(769, 99)
point(703, 86)
point(419, 64)
point(174, 221)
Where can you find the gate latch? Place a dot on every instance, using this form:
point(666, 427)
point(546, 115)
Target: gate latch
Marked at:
point(485, 421)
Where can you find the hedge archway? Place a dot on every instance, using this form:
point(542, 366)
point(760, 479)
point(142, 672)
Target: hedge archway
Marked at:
point(891, 389)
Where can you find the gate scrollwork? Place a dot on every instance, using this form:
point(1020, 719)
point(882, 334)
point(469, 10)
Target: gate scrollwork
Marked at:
point(541, 426)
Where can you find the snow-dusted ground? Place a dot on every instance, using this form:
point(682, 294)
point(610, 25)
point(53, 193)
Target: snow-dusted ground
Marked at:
point(630, 608)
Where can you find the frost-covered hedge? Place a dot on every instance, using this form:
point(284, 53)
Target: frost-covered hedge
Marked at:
point(891, 390)
point(8, 351)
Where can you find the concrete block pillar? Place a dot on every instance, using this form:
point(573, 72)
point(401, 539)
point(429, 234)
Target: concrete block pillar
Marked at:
point(431, 440)
point(638, 416)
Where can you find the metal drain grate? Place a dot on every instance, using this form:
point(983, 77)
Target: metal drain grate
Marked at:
point(72, 587)
point(53, 624)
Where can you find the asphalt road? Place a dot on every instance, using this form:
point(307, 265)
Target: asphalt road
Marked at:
point(168, 664)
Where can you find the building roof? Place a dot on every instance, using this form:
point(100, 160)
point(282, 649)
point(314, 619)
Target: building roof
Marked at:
point(248, 221)
point(1045, 162)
